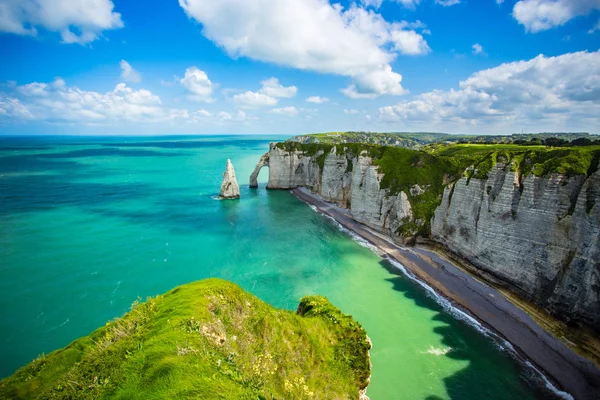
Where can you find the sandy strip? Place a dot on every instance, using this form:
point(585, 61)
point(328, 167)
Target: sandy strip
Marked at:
point(569, 371)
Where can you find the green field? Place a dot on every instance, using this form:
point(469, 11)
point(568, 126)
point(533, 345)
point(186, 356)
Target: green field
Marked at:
point(202, 340)
point(416, 140)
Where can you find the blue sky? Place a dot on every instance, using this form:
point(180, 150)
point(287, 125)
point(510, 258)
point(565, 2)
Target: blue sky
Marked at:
point(298, 66)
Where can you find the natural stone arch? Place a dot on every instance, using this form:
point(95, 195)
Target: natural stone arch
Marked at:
point(264, 161)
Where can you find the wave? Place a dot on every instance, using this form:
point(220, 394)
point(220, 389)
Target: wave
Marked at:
point(438, 351)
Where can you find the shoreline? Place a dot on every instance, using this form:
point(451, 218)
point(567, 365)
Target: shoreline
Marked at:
point(568, 370)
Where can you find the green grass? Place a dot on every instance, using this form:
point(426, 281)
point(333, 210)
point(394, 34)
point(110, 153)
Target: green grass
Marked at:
point(202, 340)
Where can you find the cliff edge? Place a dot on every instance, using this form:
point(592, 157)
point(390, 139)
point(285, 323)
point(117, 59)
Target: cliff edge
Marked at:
point(205, 340)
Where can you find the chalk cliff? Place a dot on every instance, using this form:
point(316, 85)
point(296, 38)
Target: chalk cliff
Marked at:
point(540, 235)
point(229, 187)
point(537, 234)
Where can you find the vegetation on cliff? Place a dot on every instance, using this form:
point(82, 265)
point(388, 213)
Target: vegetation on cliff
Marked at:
point(206, 339)
point(435, 166)
point(415, 140)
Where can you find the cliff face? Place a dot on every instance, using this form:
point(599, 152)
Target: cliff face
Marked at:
point(350, 181)
point(539, 235)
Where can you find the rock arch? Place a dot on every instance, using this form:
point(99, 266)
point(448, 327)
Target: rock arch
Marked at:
point(264, 161)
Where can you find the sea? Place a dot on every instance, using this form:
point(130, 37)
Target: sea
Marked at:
point(90, 224)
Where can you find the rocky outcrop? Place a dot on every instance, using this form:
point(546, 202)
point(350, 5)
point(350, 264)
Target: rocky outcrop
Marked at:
point(538, 235)
point(229, 188)
point(264, 161)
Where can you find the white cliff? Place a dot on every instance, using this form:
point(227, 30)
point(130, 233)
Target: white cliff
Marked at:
point(229, 188)
point(540, 236)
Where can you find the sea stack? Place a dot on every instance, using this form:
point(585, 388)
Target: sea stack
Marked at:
point(229, 188)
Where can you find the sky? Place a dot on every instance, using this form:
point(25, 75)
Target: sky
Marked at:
point(298, 66)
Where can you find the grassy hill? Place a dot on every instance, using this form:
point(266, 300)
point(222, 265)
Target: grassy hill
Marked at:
point(206, 340)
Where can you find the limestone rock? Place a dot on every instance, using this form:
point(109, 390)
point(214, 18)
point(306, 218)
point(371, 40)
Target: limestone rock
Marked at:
point(229, 188)
point(264, 161)
point(540, 235)
point(416, 190)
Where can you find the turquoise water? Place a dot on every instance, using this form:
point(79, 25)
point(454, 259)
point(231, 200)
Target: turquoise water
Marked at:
point(89, 224)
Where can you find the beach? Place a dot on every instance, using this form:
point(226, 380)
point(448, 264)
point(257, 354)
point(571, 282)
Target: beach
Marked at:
point(571, 372)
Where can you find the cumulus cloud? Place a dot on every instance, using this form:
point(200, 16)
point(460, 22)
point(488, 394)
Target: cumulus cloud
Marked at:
point(544, 90)
point(128, 74)
point(541, 15)
point(268, 95)
point(253, 99)
point(289, 111)
point(197, 84)
point(312, 35)
point(77, 21)
point(317, 99)
point(58, 102)
point(272, 87)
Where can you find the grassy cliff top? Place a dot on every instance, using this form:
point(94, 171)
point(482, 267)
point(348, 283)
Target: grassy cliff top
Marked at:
point(207, 339)
point(435, 166)
point(415, 140)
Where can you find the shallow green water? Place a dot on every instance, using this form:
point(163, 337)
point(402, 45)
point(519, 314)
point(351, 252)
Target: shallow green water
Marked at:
point(89, 224)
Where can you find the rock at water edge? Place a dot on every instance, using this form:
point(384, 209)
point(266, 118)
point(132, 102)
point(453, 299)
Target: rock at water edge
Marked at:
point(229, 188)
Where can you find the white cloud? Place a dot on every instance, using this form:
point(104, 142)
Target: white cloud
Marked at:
point(11, 107)
point(542, 91)
point(77, 21)
point(447, 3)
point(253, 99)
point(289, 111)
point(317, 99)
point(272, 87)
point(197, 84)
point(409, 42)
point(128, 74)
point(410, 4)
point(541, 15)
point(311, 35)
point(478, 49)
point(268, 95)
point(351, 111)
point(58, 102)
point(595, 28)
point(225, 117)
